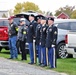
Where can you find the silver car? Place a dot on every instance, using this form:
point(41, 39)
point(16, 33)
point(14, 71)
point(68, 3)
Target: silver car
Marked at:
point(63, 25)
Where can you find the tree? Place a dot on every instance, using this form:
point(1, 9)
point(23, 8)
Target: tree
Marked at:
point(30, 6)
point(67, 9)
point(48, 13)
point(10, 12)
point(26, 6)
point(18, 8)
point(4, 16)
point(73, 16)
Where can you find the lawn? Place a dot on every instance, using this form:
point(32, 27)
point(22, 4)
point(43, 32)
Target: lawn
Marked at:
point(63, 65)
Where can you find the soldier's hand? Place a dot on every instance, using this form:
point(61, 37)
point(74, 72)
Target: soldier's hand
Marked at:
point(34, 40)
point(52, 45)
point(40, 43)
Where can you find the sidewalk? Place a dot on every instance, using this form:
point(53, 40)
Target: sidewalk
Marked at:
point(9, 67)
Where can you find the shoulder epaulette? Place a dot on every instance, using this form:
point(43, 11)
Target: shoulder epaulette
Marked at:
point(34, 21)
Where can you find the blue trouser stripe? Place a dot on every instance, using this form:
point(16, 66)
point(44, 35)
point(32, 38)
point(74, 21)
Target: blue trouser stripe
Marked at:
point(31, 52)
point(43, 49)
point(51, 57)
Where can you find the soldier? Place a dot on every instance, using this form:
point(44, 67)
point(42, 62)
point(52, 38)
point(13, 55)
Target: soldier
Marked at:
point(31, 36)
point(43, 41)
point(51, 41)
point(38, 38)
point(22, 36)
point(12, 38)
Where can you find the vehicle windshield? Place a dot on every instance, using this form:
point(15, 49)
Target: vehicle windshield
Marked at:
point(4, 23)
point(17, 21)
point(73, 26)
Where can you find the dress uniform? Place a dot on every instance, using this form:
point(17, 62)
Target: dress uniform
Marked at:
point(22, 36)
point(51, 42)
point(31, 36)
point(12, 31)
point(43, 42)
point(38, 39)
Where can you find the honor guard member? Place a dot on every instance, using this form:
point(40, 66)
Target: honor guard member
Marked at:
point(38, 38)
point(12, 31)
point(31, 36)
point(51, 41)
point(22, 36)
point(43, 41)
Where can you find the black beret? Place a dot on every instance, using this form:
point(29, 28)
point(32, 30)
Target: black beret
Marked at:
point(43, 18)
point(32, 15)
point(51, 18)
point(39, 18)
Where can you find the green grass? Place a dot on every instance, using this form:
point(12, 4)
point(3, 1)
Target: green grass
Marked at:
point(63, 65)
point(67, 65)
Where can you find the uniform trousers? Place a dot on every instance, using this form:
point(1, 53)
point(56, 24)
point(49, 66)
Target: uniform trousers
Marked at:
point(31, 52)
point(23, 50)
point(43, 55)
point(51, 57)
point(39, 53)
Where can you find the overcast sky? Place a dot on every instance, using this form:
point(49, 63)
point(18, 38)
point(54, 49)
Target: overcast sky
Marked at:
point(44, 5)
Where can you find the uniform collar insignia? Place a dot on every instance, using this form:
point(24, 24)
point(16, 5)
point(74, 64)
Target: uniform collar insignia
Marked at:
point(55, 32)
point(50, 30)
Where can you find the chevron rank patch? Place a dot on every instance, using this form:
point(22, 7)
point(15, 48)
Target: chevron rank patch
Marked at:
point(55, 32)
point(44, 29)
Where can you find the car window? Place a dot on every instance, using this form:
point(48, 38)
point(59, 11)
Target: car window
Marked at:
point(73, 25)
point(4, 23)
point(64, 25)
point(17, 21)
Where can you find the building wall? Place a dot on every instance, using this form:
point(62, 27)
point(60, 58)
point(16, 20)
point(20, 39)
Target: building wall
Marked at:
point(63, 16)
point(4, 12)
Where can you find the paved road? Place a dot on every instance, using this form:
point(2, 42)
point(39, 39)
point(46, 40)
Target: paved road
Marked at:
point(9, 67)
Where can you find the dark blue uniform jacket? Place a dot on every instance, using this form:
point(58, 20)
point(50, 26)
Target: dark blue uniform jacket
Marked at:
point(51, 36)
point(31, 31)
point(38, 34)
point(43, 35)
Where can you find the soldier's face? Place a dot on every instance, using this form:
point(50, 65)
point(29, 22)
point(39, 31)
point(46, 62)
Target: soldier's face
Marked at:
point(43, 21)
point(22, 23)
point(50, 22)
point(10, 21)
point(31, 18)
point(39, 21)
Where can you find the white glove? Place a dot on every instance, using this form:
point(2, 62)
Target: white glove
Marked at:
point(33, 40)
point(40, 43)
point(52, 45)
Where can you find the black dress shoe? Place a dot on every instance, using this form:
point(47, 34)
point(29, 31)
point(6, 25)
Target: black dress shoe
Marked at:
point(39, 64)
point(10, 58)
point(50, 68)
point(43, 65)
point(31, 63)
point(23, 59)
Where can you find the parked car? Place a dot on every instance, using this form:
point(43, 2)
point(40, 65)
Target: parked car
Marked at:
point(63, 25)
point(3, 33)
point(70, 40)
